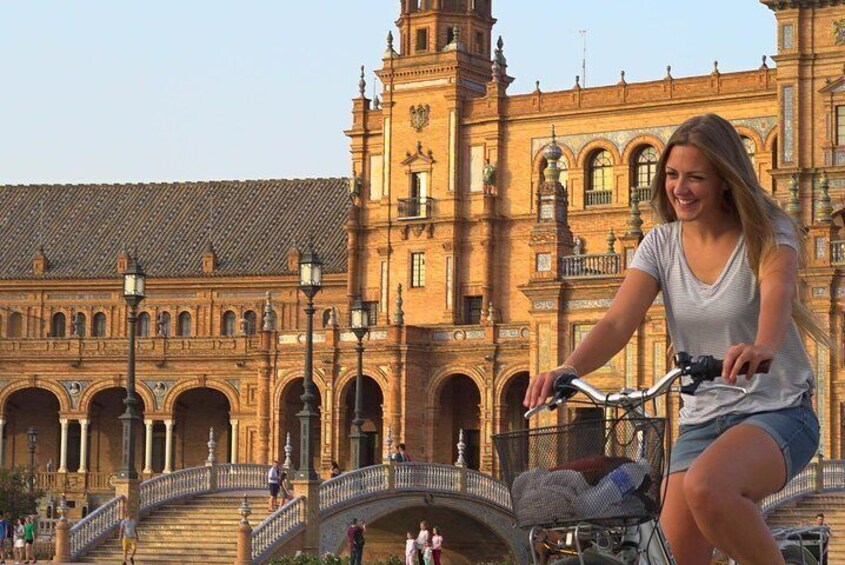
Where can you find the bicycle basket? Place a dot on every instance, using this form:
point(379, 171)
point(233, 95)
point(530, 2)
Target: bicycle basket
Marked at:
point(606, 472)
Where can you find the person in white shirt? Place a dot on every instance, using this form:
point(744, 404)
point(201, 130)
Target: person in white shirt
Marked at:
point(274, 478)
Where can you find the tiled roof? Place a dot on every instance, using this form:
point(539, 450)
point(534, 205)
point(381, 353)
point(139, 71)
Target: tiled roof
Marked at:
point(253, 226)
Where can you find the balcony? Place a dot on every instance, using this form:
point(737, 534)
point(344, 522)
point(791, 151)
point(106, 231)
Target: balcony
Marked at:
point(415, 208)
point(594, 265)
point(598, 197)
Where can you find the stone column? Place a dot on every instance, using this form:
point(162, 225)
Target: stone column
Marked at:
point(63, 448)
point(148, 447)
point(2, 443)
point(234, 441)
point(83, 445)
point(168, 446)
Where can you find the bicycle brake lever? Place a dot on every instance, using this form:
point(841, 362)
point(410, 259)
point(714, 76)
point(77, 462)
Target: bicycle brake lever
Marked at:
point(730, 388)
point(537, 409)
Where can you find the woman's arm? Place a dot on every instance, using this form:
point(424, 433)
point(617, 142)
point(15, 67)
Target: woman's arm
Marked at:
point(778, 277)
point(610, 334)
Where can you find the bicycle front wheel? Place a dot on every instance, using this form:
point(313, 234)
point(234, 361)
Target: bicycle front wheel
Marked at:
point(797, 555)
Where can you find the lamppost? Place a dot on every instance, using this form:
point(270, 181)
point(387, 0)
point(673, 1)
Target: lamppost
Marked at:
point(32, 437)
point(133, 292)
point(310, 281)
point(360, 327)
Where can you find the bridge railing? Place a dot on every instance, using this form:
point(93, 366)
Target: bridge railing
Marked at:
point(819, 476)
point(277, 529)
point(96, 526)
point(163, 489)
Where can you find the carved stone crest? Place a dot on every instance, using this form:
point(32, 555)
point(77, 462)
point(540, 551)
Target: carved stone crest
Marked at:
point(419, 116)
point(839, 32)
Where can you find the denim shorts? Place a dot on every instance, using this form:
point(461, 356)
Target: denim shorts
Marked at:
point(796, 431)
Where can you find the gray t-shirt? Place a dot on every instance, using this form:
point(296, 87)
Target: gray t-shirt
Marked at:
point(707, 319)
point(129, 528)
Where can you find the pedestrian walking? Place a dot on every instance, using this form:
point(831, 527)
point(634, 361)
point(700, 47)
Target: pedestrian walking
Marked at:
point(355, 538)
point(29, 539)
point(274, 477)
point(128, 535)
point(18, 543)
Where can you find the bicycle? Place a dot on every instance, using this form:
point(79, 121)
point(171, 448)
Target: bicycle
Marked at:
point(599, 489)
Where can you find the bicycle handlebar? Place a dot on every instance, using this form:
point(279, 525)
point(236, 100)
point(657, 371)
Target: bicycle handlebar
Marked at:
point(700, 369)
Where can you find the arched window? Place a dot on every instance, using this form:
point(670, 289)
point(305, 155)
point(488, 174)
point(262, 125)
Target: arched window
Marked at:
point(79, 323)
point(599, 179)
point(183, 328)
point(249, 322)
point(227, 324)
point(142, 328)
point(14, 325)
point(750, 148)
point(163, 324)
point(645, 167)
point(57, 325)
point(98, 327)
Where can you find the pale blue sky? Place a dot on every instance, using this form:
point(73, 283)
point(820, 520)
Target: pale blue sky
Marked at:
point(104, 91)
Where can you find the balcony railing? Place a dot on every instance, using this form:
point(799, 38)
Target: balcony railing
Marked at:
point(412, 208)
point(597, 197)
point(596, 265)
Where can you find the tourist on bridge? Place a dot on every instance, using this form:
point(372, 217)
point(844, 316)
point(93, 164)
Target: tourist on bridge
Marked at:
point(128, 538)
point(355, 537)
point(274, 478)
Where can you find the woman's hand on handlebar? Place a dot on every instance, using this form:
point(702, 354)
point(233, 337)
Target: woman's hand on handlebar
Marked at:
point(541, 386)
point(745, 353)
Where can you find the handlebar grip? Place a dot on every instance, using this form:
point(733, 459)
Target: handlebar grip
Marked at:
point(762, 368)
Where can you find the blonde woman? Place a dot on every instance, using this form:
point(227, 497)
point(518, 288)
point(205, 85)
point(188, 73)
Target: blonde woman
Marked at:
point(726, 260)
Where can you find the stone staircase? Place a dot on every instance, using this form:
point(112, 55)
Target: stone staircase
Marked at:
point(203, 529)
point(803, 512)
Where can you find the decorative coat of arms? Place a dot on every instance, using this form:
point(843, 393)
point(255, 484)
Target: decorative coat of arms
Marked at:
point(839, 32)
point(419, 116)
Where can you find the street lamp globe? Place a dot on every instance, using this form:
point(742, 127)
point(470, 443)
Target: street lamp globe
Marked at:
point(360, 318)
point(134, 280)
point(310, 272)
point(32, 436)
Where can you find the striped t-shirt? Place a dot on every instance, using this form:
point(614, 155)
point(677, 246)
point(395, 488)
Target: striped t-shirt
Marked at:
point(707, 319)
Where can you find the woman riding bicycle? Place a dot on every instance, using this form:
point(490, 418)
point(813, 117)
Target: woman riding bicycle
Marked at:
point(726, 259)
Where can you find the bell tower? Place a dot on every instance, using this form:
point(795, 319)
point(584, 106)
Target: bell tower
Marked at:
point(431, 26)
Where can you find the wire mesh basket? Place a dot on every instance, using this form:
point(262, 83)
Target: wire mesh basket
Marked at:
point(606, 471)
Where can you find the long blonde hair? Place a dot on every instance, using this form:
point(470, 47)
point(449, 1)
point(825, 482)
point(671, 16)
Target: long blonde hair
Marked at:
point(745, 199)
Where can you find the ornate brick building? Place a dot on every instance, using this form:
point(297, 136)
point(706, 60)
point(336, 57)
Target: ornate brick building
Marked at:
point(507, 221)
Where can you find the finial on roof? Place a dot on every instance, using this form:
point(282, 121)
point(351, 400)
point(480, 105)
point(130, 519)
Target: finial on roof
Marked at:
point(269, 316)
point(764, 65)
point(611, 242)
point(635, 222)
point(622, 77)
point(536, 87)
point(668, 71)
point(39, 261)
point(577, 82)
point(499, 54)
point(715, 67)
point(793, 204)
point(552, 155)
point(496, 71)
point(399, 318)
point(389, 52)
point(362, 84)
point(376, 103)
point(824, 209)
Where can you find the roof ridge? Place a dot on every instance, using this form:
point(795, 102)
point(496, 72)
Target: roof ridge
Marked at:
point(165, 184)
